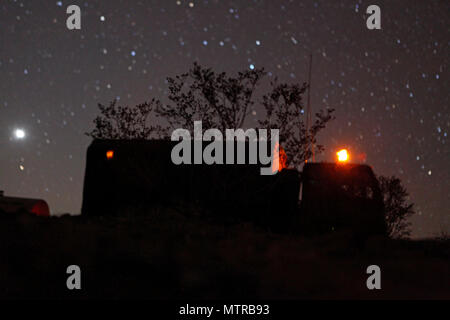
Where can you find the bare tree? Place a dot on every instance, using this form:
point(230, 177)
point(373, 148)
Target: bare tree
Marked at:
point(223, 101)
point(218, 100)
point(284, 111)
point(397, 210)
point(118, 122)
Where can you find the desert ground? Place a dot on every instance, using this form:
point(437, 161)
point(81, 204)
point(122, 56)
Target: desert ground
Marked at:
point(164, 254)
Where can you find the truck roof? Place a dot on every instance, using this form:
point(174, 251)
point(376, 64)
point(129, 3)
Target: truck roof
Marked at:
point(336, 171)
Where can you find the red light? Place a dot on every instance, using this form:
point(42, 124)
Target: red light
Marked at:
point(41, 208)
point(109, 154)
point(279, 155)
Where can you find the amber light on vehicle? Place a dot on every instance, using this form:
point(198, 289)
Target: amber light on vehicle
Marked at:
point(109, 154)
point(342, 155)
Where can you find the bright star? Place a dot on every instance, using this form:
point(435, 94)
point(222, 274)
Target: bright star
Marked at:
point(19, 134)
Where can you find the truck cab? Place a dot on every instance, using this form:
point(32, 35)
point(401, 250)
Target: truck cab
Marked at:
point(341, 196)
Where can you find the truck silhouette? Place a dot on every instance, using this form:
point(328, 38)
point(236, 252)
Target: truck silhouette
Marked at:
point(341, 195)
point(123, 175)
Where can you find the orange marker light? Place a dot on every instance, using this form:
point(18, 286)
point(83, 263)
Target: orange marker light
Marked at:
point(109, 154)
point(342, 155)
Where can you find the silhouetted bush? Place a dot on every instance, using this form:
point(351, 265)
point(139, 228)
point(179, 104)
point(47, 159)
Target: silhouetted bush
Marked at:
point(397, 209)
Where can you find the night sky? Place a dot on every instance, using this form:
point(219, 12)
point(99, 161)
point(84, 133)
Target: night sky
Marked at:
point(390, 87)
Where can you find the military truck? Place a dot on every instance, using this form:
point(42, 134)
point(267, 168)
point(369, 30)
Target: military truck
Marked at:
point(129, 174)
point(123, 175)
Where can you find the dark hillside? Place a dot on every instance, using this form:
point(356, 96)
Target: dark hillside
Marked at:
point(165, 255)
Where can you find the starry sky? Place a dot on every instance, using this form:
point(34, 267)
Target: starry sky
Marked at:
point(390, 87)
